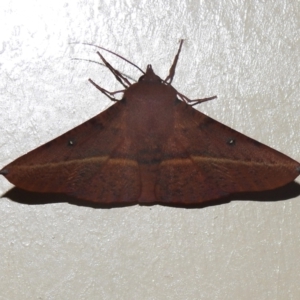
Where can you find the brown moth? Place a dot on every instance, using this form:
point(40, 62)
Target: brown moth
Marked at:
point(151, 147)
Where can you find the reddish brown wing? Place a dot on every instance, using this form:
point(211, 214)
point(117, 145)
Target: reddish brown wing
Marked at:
point(205, 160)
point(93, 161)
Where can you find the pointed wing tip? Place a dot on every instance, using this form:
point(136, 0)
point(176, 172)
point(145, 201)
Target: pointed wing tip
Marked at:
point(4, 172)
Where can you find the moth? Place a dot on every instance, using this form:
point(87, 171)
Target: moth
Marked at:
point(151, 147)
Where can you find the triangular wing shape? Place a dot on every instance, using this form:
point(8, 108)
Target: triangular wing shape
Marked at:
point(85, 162)
point(204, 160)
point(151, 147)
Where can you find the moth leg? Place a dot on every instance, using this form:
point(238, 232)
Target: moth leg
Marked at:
point(123, 80)
point(106, 92)
point(195, 101)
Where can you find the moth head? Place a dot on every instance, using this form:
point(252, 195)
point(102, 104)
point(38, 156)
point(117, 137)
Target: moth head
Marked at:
point(150, 76)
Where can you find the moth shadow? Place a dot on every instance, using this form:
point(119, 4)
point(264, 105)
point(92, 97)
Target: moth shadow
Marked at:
point(286, 192)
point(33, 198)
point(291, 190)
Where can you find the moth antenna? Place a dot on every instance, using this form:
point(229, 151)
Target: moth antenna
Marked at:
point(103, 65)
point(118, 55)
point(107, 93)
point(174, 64)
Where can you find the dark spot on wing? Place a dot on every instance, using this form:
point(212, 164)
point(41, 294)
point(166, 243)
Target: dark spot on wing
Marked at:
point(47, 145)
point(177, 101)
point(97, 124)
point(257, 144)
point(205, 124)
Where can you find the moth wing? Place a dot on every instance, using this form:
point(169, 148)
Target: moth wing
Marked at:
point(205, 160)
point(85, 162)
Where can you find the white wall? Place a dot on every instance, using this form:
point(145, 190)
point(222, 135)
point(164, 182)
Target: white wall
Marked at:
point(246, 52)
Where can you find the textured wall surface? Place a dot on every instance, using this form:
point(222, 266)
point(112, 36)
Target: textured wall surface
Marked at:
point(246, 52)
